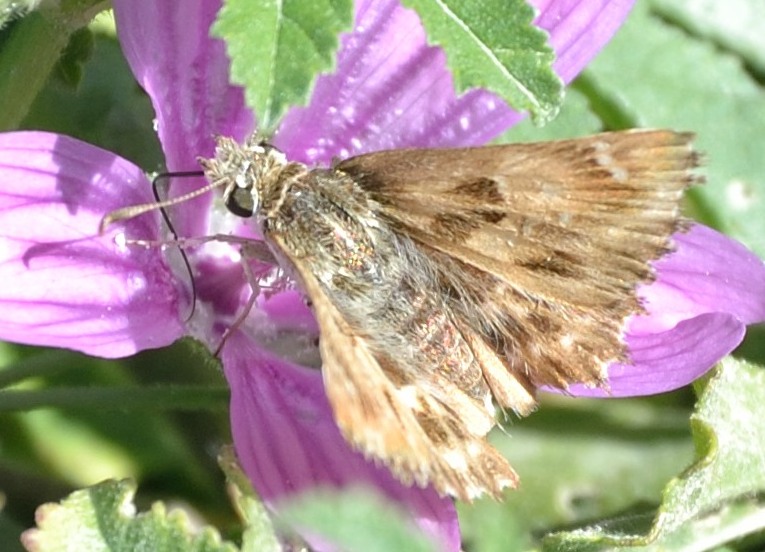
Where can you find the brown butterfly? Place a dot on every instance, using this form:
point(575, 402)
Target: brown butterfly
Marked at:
point(446, 281)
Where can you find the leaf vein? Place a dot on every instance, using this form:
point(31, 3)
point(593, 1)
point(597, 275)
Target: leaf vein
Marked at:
point(486, 50)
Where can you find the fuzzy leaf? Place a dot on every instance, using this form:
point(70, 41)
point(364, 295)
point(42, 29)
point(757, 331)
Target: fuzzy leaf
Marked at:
point(259, 534)
point(102, 518)
point(579, 460)
point(355, 520)
point(493, 45)
point(720, 498)
point(736, 24)
point(277, 49)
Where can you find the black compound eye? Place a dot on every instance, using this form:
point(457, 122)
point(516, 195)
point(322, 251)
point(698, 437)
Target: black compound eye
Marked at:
point(240, 202)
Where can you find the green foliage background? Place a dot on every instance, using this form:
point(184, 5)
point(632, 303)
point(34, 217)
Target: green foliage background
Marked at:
point(160, 417)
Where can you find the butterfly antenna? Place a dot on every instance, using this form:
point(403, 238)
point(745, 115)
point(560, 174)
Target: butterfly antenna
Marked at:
point(131, 211)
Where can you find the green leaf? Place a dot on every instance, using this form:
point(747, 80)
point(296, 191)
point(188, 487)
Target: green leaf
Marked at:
point(720, 498)
point(11, 10)
point(31, 50)
point(672, 79)
point(103, 518)
point(735, 24)
point(277, 49)
point(355, 520)
point(579, 460)
point(259, 534)
point(492, 44)
point(107, 108)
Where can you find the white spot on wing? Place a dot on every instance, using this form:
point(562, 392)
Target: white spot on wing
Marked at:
point(408, 395)
point(605, 160)
point(455, 459)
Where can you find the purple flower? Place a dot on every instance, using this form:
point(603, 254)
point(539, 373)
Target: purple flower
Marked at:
point(54, 191)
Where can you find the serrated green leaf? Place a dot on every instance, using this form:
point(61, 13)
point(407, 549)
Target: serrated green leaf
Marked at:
point(493, 45)
point(103, 518)
point(672, 79)
point(15, 9)
point(277, 49)
point(259, 534)
point(720, 498)
point(355, 520)
point(729, 431)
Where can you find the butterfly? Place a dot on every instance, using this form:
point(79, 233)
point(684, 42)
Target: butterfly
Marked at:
point(450, 283)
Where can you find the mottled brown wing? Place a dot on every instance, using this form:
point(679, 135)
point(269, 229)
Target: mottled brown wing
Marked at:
point(544, 244)
point(424, 431)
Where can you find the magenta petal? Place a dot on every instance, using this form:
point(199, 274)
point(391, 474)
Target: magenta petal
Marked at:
point(288, 310)
point(185, 72)
point(392, 90)
point(387, 89)
point(709, 272)
point(579, 29)
point(669, 360)
point(63, 285)
point(287, 441)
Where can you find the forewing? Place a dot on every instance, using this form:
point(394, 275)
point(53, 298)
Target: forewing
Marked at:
point(424, 431)
point(544, 245)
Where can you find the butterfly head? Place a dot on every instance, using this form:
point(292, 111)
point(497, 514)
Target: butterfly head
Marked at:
point(244, 171)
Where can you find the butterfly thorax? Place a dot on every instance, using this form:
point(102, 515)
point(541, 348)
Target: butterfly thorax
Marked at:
point(376, 277)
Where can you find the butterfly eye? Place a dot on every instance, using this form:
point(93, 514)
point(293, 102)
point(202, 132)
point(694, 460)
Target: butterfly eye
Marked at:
point(240, 202)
